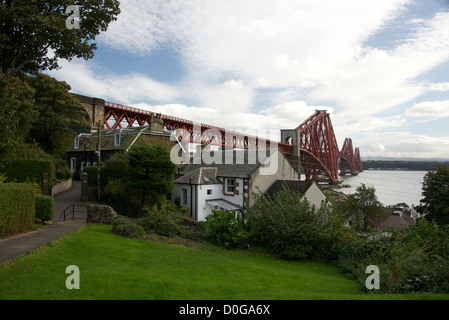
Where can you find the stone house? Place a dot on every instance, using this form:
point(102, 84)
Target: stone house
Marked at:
point(83, 152)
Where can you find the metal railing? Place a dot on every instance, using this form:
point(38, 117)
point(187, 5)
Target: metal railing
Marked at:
point(72, 210)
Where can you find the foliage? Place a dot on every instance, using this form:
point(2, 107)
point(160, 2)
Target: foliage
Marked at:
point(32, 29)
point(435, 190)
point(17, 208)
point(151, 171)
point(226, 229)
point(166, 219)
point(45, 207)
point(363, 210)
point(411, 260)
point(16, 113)
point(28, 170)
point(60, 114)
point(126, 227)
point(294, 229)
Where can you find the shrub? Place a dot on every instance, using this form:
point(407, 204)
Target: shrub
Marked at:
point(162, 220)
point(226, 230)
point(45, 207)
point(63, 174)
point(411, 260)
point(17, 207)
point(127, 228)
point(289, 226)
point(28, 170)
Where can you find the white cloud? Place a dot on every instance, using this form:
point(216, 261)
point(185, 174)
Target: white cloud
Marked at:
point(429, 110)
point(86, 78)
point(404, 144)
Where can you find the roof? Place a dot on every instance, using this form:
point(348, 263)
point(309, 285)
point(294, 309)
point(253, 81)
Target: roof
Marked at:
point(396, 222)
point(300, 186)
point(224, 204)
point(229, 163)
point(200, 176)
point(88, 142)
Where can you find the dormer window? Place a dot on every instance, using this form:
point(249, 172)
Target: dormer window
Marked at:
point(77, 142)
point(117, 139)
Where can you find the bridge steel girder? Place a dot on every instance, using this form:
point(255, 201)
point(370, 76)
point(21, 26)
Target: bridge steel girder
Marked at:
point(357, 160)
point(319, 152)
point(347, 160)
point(187, 130)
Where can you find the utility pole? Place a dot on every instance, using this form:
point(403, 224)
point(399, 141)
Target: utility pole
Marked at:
point(99, 159)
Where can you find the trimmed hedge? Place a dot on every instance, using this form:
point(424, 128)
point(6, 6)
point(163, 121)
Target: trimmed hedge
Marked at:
point(28, 170)
point(45, 207)
point(17, 208)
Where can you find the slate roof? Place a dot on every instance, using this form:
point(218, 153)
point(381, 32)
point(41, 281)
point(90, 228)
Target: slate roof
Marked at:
point(300, 186)
point(200, 176)
point(229, 163)
point(88, 142)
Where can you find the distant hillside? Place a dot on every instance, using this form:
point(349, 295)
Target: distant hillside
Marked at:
point(405, 159)
point(409, 164)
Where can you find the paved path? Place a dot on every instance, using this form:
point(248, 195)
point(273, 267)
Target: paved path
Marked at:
point(13, 247)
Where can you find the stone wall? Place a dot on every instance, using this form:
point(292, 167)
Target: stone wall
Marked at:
point(97, 213)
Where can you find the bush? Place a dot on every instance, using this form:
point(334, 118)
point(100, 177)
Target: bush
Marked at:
point(289, 226)
point(127, 228)
point(45, 207)
point(28, 170)
point(226, 230)
point(17, 208)
point(169, 221)
point(63, 174)
point(411, 260)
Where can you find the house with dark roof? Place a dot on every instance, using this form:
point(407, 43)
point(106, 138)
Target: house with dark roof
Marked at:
point(84, 150)
point(226, 179)
point(307, 188)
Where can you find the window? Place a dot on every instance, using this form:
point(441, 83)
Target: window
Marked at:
point(184, 196)
point(229, 185)
point(209, 192)
point(77, 142)
point(73, 164)
point(117, 139)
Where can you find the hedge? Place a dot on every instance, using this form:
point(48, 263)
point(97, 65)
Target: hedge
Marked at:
point(17, 208)
point(45, 207)
point(28, 170)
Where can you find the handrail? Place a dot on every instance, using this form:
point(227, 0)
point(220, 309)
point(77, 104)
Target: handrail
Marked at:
point(63, 214)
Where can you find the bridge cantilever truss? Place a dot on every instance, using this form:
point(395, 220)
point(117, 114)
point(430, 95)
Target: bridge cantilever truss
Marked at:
point(315, 140)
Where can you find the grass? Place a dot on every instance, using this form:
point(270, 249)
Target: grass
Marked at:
point(113, 267)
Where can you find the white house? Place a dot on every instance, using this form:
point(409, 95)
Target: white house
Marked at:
point(225, 179)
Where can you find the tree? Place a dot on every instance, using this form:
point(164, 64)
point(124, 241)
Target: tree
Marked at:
point(363, 209)
point(151, 171)
point(60, 114)
point(34, 35)
point(435, 190)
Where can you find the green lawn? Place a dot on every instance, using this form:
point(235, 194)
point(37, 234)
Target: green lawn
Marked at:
point(112, 267)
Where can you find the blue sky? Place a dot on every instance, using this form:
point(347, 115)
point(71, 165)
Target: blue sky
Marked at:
point(380, 67)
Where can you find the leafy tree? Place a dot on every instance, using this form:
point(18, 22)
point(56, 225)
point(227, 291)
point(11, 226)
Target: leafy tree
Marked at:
point(16, 113)
point(435, 190)
point(363, 209)
point(34, 35)
point(60, 114)
point(151, 171)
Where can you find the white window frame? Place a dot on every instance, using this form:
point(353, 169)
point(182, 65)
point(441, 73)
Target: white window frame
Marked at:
point(73, 164)
point(77, 142)
point(229, 185)
point(117, 139)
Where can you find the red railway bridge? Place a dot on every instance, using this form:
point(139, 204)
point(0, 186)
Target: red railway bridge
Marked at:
point(313, 141)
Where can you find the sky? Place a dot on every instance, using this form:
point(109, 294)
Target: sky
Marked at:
point(379, 67)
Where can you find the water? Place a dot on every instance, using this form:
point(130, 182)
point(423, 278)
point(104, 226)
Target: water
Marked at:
point(392, 187)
